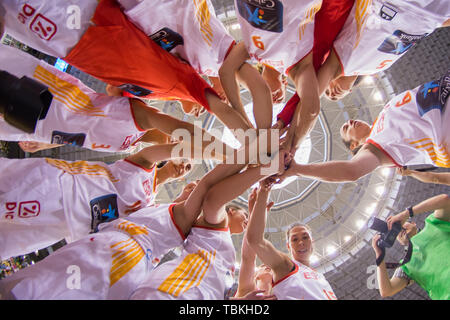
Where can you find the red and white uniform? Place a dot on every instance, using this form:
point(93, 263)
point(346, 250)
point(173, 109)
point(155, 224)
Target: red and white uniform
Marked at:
point(78, 115)
point(107, 265)
point(87, 38)
point(413, 128)
point(278, 33)
point(199, 273)
point(377, 32)
point(45, 200)
point(48, 26)
point(303, 283)
point(204, 40)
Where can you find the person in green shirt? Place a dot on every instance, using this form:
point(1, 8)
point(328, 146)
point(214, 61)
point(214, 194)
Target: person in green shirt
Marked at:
point(429, 265)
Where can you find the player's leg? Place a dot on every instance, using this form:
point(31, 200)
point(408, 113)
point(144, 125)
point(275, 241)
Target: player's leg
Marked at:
point(151, 118)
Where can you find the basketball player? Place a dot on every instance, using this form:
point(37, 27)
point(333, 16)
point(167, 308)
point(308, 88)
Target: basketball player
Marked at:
point(410, 130)
point(79, 116)
point(281, 35)
point(85, 33)
point(45, 200)
point(197, 36)
point(376, 34)
point(208, 255)
point(111, 263)
point(293, 278)
point(253, 278)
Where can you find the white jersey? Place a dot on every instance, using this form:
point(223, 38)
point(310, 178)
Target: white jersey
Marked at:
point(377, 33)
point(52, 27)
point(413, 128)
point(45, 200)
point(199, 273)
point(78, 115)
point(188, 28)
point(107, 265)
point(303, 283)
point(278, 33)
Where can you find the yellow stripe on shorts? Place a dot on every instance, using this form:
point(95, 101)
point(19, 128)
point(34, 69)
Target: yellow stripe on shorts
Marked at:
point(82, 167)
point(190, 272)
point(203, 17)
point(72, 98)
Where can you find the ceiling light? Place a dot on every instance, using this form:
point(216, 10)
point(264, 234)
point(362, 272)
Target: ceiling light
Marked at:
point(379, 190)
point(331, 249)
point(360, 223)
point(347, 238)
point(368, 80)
point(313, 258)
point(377, 96)
point(371, 209)
point(386, 171)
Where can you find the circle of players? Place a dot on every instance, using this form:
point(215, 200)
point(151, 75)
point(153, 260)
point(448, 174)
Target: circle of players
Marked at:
point(144, 50)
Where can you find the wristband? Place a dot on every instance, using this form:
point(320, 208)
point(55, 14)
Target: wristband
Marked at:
point(411, 213)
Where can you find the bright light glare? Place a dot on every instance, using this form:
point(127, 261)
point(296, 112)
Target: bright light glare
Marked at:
point(347, 238)
point(379, 190)
point(368, 80)
point(377, 96)
point(313, 258)
point(371, 209)
point(360, 223)
point(386, 172)
point(331, 249)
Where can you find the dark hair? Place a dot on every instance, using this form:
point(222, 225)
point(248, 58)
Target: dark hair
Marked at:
point(297, 224)
point(347, 144)
point(161, 164)
point(358, 80)
point(230, 206)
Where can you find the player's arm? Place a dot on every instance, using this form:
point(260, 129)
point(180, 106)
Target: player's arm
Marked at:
point(34, 146)
point(363, 163)
point(426, 176)
point(217, 86)
point(278, 261)
point(233, 186)
point(387, 286)
point(246, 282)
point(149, 117)
point(440, 204)
point(187, 212)
point(155, 136)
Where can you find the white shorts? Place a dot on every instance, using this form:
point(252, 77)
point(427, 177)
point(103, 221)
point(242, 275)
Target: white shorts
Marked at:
point(83, 269)
point(52, 27)
point(109, 264)
point(32, 214)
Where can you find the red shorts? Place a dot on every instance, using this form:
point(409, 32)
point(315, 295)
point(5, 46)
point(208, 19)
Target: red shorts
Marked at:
point(328, 22)
point(117, 52)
